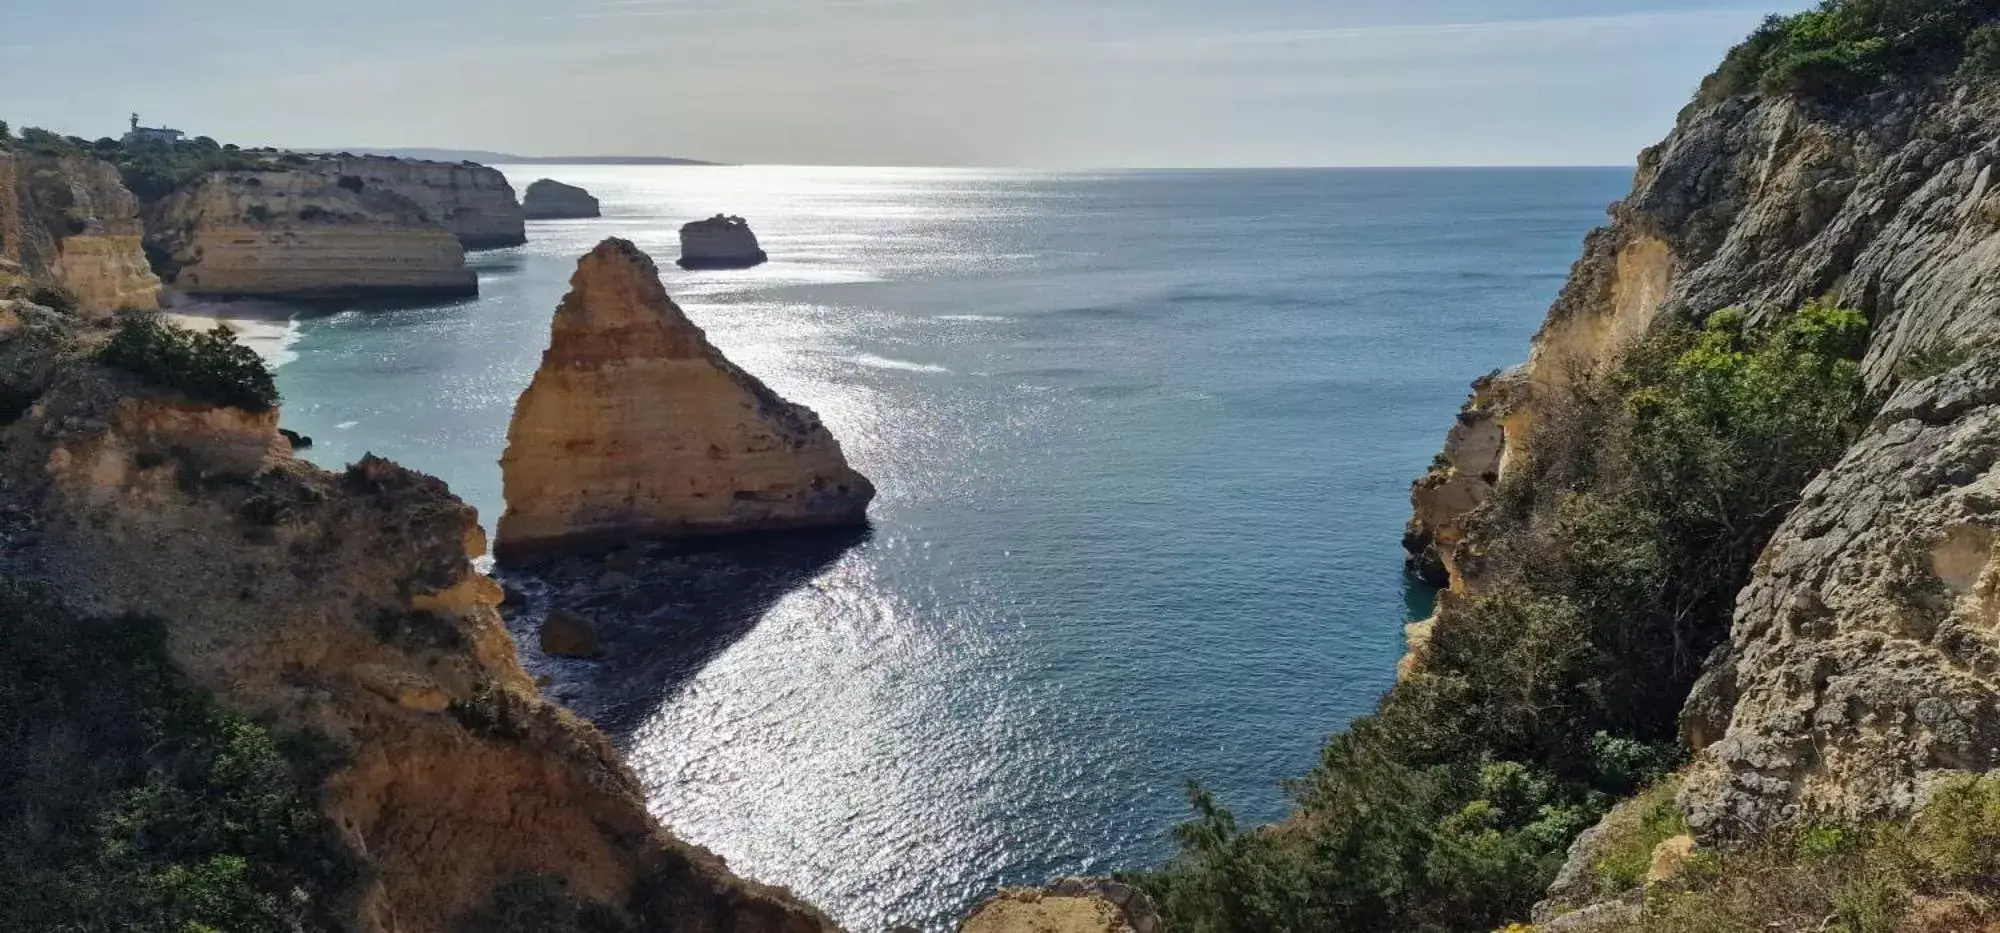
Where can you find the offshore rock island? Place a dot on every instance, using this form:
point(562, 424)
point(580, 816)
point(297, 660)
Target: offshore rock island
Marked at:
point(635, 427)
point(720, 242)
point(549, 199)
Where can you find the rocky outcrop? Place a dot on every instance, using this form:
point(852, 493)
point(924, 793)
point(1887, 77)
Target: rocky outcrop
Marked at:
point(473, 201)
point(344, 605)
point(636, 427)
point(720, 242)
point(70, 223)
point(549, 199)
point(304, 235)
point(1072, 905)
point(1463, 477)
point(1864, 663)
point(1885, 204)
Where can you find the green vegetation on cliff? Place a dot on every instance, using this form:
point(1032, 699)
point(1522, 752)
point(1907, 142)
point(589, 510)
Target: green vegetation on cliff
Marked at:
point(209, 367)
point(154, 169)
point(1851, 46)
point(131, 801)
point(1616, 554)
point(1939, 873)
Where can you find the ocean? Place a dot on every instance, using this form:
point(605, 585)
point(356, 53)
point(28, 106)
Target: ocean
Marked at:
point(1143, 439)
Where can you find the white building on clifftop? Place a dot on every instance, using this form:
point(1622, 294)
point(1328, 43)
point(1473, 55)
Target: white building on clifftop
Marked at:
point(152, 134)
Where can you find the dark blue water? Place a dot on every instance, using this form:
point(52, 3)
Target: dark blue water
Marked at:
point(1144, 443)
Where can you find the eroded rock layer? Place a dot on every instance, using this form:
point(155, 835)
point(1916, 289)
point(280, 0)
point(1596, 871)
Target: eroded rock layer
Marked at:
point(475, 202)
point(70, 222)
point(305, 235)
point(1884, 204)
point(346, 606)
point(636, 427)
point(1864, 662)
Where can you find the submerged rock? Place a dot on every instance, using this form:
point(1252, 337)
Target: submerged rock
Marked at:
point(549, 199)
point(635, 427)
point(720, 242)
point(568, 635)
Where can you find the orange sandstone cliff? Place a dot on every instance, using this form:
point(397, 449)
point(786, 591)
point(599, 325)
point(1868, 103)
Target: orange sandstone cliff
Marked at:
point(346, 606)
point(636, 427)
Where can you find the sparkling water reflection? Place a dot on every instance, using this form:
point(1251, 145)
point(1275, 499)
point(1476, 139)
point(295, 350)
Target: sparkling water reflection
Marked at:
point(1143, 442)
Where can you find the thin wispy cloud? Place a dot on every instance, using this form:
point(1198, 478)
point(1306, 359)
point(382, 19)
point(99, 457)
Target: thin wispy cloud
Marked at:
point(1041, 82)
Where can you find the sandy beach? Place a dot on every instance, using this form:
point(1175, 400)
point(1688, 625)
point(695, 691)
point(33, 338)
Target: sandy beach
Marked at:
point(268, 329)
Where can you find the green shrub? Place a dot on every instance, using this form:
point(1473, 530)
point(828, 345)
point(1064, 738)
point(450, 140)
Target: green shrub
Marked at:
point(1982, 54)
point(55, 298)
point(1933, 359)
point(1615, 554)
point(210, 367)
point(1846, 47)
point(131, 801)
point(1632, 832)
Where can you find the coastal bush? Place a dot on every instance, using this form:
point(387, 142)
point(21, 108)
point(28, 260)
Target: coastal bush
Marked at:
point(1616, 552)
point(54, 297)
point(131, 801)
point(1937, 873)
point(210, 367)
point(1845, 47)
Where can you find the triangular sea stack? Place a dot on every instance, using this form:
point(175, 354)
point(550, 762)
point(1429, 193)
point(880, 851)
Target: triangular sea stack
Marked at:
point(635, 427)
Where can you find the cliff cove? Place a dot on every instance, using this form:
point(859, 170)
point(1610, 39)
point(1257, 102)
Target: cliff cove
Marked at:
point(997, 551)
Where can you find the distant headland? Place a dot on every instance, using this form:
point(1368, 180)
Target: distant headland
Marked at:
point(487, 157)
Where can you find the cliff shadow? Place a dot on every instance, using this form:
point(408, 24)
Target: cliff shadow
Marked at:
point(661, 612)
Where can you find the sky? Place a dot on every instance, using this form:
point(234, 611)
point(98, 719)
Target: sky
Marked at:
point(1035, 83)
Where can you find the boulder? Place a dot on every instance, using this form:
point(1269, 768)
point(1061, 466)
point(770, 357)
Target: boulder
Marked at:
point(297, 440)
point(720, 242)
point(568, 635)
point(549, 199)
point(635, 428)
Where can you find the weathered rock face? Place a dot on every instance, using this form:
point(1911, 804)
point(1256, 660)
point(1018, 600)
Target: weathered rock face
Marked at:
point(720, 242)
point(70, 222)
point(635, 427)
point(1761, 203)
point(346, 605)
point(473, 201)
point(1072, 905)
point(304, 235)
point(1864, 661)
point(552, 200)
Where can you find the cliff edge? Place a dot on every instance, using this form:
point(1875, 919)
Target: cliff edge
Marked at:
point(142, 475)
point(69, 222)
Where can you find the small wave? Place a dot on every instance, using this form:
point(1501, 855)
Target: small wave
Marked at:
point(346, 424)
point(883, 362)
point(970, 317)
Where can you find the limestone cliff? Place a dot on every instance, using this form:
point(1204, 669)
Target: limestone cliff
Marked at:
point(1860, 659)
point(1886, 204)
point(344, 605)
point(304, 235)
point(70, 222)
point(636, 427)
point(549, 199)
point(473, 201)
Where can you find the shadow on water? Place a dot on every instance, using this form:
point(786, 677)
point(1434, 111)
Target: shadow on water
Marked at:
point(662, 614)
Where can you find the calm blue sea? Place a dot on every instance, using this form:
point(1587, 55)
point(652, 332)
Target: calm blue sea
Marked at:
point(1144, 442)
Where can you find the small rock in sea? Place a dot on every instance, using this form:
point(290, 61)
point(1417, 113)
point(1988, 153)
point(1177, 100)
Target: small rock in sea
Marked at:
point(511, 597)
point(566, 634)
point(549, 199)
point(720, 242)
point(614, 581)
point(298, 441)
point(626, 561)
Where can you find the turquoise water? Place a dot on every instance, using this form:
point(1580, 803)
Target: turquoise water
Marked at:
point(1144, 442)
